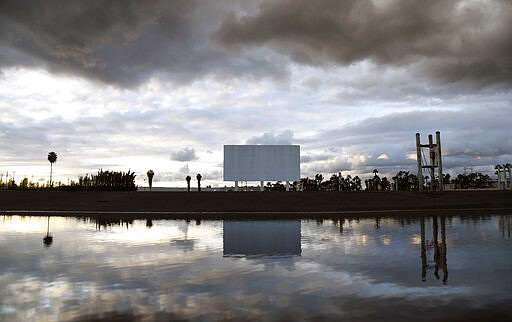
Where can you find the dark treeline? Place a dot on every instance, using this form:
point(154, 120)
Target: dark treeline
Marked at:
point(102, 181)
point(472, 180)
point(402, 181)
point(106, 180)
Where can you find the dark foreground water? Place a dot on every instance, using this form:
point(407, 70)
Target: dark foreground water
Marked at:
point(430, 268)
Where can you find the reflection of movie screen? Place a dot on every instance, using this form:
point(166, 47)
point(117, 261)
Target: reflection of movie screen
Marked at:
point(262, 238)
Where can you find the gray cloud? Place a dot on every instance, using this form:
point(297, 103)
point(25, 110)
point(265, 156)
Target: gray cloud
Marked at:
point(121, 42)
point(127, 42)
point(186, 154)
point(450, 39)
point(470, 137)
point(315, 157)
point(365, 76)
point(286, 137)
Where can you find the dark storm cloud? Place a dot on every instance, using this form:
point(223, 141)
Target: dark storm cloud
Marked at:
point(450, 39)
point(120, 42)
point(127, 42)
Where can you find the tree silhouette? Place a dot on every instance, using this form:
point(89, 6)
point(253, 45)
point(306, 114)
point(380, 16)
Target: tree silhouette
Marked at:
point(107, 180)
point(52, 157)
point(373, 184)
point(150, 174)
point(188, 178)
point(318, 180)
point(385, 185)
point(406, 181)
point(472, 180)
point(199, 176)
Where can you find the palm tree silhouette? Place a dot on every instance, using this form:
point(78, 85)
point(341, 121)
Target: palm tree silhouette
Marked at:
point(199, 176)
point(188, 178)
point(52, 157)
point(150, 174)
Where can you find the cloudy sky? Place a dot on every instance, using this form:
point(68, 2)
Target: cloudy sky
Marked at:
point(163, 85)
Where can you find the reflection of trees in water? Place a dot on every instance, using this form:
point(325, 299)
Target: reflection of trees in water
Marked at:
point(184, 244)
point(48, 239)
point(104, 223)
point(475, 220)
point(336, 221)
point(505, 226)
point(440, 249)
point(406, 221)
point(341, 222)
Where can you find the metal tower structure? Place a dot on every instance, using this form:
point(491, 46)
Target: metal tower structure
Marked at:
point(434, 161)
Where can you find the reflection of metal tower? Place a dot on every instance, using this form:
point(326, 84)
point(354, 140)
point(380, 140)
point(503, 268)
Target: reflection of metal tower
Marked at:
point(440, 249)
point(505, 226)
point(435, 161)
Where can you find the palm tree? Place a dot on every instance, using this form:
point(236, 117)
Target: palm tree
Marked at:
point(52, 157)
point(188, 178)
point(150, 174)
point(199, 176)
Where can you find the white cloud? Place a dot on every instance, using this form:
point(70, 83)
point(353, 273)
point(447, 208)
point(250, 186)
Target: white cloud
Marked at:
point(285, 138)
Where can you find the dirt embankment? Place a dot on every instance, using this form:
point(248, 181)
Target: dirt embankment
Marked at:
point(252, 204)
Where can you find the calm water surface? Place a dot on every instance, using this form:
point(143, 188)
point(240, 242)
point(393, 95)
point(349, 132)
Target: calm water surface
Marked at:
point(424, 268)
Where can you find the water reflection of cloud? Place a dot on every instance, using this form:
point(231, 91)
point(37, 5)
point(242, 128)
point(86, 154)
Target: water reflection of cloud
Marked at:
point(186, 245)
point(135, 233)
point(76, 278)
point(17, 224)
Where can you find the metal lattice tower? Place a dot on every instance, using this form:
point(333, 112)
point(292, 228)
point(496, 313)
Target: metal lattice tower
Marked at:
point(434, 161)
